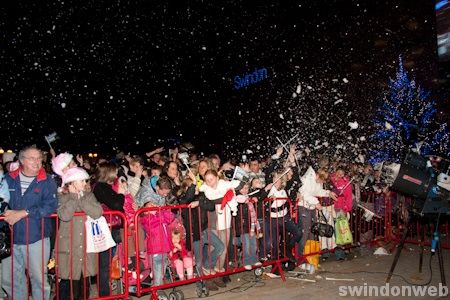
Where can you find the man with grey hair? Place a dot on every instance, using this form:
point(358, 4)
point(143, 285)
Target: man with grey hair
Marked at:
point(32, 200)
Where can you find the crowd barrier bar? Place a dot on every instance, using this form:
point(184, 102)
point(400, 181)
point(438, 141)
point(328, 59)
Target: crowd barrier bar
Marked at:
point(52, 278)
point(386, 224)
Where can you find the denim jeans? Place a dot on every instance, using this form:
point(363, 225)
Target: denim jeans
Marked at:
point(37, 265)
point(158, 263)
point(104, 262)
point(306, 218)
point(204, 256)
point(249, 248)
point(273, 230)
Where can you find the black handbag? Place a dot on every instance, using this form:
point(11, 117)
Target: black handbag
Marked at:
point(322, 229)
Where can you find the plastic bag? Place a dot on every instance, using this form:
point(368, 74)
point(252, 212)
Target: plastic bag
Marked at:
point(343, 232)
point(98, 235)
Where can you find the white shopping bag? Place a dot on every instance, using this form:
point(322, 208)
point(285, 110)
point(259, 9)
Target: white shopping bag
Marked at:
point(98, 235)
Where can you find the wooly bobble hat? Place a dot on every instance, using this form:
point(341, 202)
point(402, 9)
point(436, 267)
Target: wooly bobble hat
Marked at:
point(74, 174)
point(60, 162)
point(7, 157)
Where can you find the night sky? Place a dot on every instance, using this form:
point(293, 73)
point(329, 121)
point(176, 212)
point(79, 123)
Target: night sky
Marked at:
point(132, 75)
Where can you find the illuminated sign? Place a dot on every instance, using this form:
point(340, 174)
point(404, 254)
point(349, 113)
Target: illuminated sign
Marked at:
point(250, 78)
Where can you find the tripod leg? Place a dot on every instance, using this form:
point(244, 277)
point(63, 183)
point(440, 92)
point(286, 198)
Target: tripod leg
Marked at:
point(422, 238)
point(398, 252)
point(441, 264)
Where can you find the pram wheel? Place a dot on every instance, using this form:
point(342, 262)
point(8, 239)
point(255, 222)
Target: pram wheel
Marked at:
point(162, 295)
point(258, 272)
point(180, 295)
point(201, 290)
point(172, 296)
point(176, 295)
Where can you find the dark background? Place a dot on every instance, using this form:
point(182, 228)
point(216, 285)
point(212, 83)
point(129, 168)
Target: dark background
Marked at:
point(131, 75)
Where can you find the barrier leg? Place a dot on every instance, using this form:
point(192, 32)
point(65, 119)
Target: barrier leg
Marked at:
point(277, 266)
point(154, 295)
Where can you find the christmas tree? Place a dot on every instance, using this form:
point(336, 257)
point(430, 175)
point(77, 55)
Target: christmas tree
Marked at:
point(406, 120)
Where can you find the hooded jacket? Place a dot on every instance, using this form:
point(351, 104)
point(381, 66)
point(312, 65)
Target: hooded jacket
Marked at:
point(311, 189)
point(147, 194)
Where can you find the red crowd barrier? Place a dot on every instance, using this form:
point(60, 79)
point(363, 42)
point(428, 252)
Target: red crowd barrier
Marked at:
point(34, 269)
point(238, 249)
point(420, 230)
point(210, 245)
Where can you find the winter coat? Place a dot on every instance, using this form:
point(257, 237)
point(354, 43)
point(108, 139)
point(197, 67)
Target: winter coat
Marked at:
point(147, 194)
point(311, 189)
point(262, 207)
point(278, 207)
point(106, 195)
point(155, 225)
point(71, 238)
point(195, 220)
point(344, 192)
point(128, 203)
point(39, 200)
point(244, 222)
point(293, 185)
point(224, 217)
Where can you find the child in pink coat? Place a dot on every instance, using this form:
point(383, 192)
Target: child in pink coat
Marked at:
point(343, 190)
point(155, 224)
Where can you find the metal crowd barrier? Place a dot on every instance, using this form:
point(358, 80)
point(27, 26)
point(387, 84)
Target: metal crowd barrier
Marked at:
point(146, 242)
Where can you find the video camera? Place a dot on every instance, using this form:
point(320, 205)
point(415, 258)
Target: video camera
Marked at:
point(425, 179)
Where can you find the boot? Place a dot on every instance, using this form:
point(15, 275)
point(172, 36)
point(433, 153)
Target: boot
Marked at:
point(211, 285)
point(226, 279)
point(219, 282)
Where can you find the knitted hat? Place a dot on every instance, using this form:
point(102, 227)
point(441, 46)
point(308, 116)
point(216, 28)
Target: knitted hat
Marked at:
point(60, 162)
point(7, 157)
point(74, 174)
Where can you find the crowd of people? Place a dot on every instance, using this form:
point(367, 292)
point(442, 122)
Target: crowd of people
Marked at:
point(223, 211)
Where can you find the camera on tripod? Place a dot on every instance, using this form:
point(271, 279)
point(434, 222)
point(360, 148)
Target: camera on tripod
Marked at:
point(425, 179)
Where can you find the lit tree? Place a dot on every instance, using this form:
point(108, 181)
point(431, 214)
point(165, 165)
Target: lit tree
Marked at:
point(404, 120)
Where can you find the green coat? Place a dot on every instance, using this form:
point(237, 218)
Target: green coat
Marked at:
point(68, 205)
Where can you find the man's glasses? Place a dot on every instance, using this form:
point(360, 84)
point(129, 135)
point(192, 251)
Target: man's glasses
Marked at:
point(33, 158)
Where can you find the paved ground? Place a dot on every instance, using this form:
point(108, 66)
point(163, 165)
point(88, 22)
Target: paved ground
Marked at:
point(243, 285)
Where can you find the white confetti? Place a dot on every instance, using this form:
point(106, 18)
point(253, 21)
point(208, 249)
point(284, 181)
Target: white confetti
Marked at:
point(353, 125)
point(345, 80)
point(63, 105)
